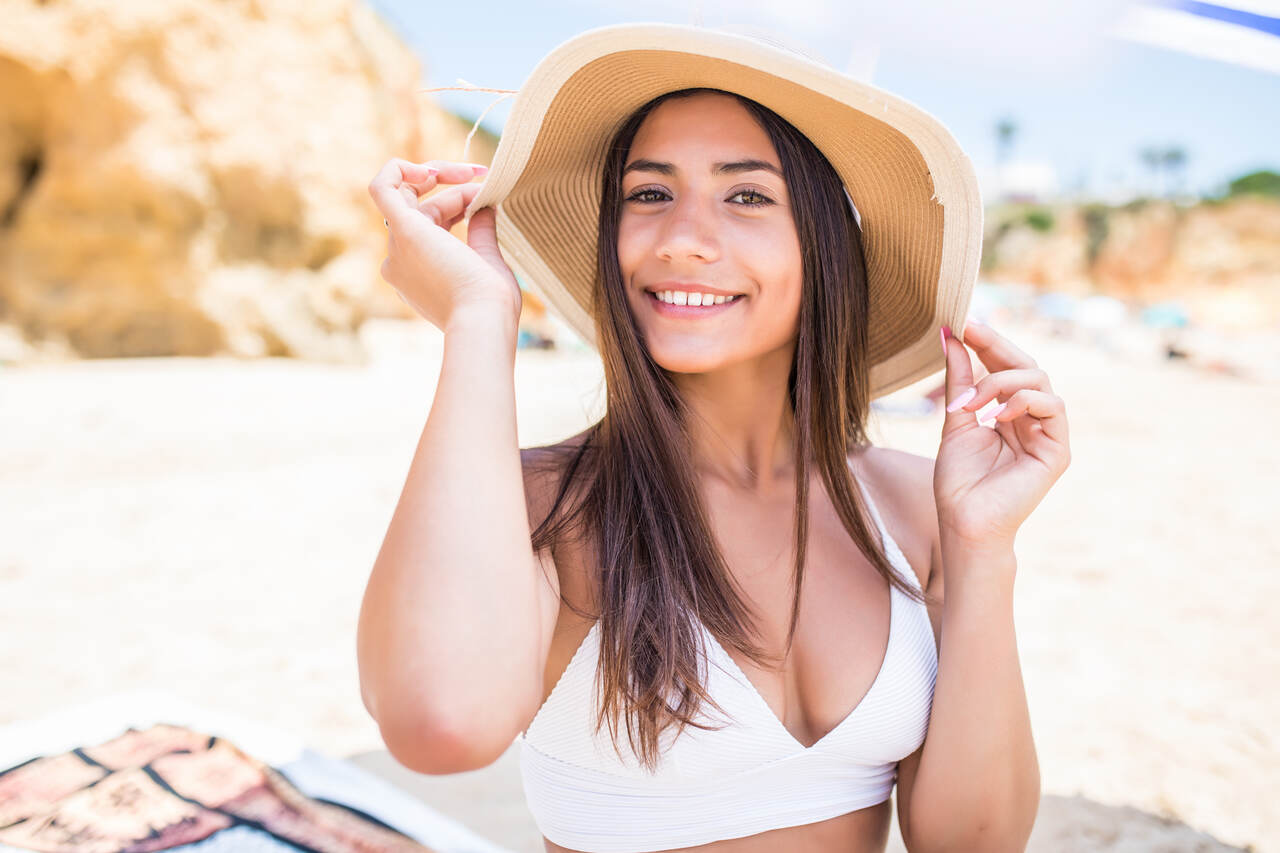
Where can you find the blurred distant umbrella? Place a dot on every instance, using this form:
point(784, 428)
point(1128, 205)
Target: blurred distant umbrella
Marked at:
point(1165, 315)
point(1057, 306)
point(1240, 32)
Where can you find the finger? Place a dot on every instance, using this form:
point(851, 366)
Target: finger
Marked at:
point(399, 183)
point(453, 172)
point(1002, 384)
point(393, 189)
point(959, 376)
point(448, 172)
point(994, 350)
point(482, 235)
point(1049, 410)
point(446, 207)
point(442, 172)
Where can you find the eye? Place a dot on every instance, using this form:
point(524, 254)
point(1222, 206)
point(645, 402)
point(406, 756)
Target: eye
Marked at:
point(643, 191)
point(761, 198)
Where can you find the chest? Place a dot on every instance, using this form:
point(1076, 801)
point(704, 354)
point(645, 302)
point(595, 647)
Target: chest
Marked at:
point(843, 632)
point(844, 626)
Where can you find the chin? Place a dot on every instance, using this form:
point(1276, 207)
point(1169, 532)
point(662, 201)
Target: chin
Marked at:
point(680, 360)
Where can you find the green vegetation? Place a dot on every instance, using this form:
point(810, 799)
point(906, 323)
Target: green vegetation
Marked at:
point(1039, 219)
point(1264, 182)
point(1010, 215)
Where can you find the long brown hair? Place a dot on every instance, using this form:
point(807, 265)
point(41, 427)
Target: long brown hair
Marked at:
point(628, 489)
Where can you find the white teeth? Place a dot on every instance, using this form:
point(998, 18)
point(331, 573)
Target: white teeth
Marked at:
point(682, 297)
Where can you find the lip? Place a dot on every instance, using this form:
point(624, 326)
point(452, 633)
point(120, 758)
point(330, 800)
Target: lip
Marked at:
point(690, 287)
point(695, 312)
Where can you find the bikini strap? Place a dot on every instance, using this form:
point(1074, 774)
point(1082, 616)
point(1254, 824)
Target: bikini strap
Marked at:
point(890, 546)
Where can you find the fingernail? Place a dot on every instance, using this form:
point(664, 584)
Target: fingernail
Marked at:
point(991, 415)
point(477, 169)
point(432, 171)
point(962, 399)
point(946, 333)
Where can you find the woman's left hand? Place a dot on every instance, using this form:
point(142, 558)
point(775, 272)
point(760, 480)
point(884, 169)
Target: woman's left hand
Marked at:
point(986, 481)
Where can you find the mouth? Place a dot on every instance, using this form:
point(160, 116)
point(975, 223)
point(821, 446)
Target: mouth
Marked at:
point(678, 303)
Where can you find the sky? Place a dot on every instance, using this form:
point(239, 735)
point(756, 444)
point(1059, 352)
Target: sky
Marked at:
point(1085, 101)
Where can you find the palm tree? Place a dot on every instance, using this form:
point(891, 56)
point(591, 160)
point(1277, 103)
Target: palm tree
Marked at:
point(1174, 160)
point(1006, 130)
point(1152, 158)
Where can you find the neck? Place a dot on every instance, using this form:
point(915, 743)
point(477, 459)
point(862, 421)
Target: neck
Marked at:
point(741, 425)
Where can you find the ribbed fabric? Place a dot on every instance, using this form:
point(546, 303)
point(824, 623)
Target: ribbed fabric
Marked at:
point(750, 776)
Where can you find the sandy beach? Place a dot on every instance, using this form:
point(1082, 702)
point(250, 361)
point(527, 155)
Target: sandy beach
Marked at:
point(208, 525)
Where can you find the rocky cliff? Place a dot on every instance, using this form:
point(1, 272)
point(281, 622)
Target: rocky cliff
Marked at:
point(1221, 259)
point(180, 177)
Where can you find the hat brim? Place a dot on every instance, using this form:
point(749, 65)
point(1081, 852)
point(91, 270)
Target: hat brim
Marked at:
point(915, 188)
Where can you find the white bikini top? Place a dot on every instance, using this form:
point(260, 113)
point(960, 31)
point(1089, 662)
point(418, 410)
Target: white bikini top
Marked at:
point(750, 776)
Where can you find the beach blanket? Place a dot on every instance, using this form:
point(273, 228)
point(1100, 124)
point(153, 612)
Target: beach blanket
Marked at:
point(168, 786)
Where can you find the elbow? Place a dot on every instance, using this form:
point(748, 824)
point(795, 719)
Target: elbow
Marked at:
point(445, 744)
point(985, 840)
point(1005, 830)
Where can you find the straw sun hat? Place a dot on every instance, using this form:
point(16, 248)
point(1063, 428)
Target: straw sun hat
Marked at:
point(914, 188)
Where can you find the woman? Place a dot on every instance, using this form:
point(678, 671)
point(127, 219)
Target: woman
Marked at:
point(681, 612)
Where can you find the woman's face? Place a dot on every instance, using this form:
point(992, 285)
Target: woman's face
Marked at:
point(705, 210)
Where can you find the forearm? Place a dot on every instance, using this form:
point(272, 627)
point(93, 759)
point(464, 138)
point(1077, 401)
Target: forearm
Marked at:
point(449, 626)
point(978, 783)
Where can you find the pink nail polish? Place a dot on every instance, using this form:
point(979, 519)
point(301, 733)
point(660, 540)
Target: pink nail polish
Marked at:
point(477, 169)
point(962, 399)
point(946, 333)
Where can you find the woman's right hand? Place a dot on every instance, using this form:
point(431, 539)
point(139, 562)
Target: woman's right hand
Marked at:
point(434, 272)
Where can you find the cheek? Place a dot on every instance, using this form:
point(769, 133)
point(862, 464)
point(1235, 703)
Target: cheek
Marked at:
point(626, 254)
point(632, 243)
point(779, 259)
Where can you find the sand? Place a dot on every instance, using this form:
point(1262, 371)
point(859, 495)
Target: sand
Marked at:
point(208, 526)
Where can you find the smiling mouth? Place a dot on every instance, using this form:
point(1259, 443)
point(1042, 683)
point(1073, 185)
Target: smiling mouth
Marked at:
point(674, 310)
point(683, 299)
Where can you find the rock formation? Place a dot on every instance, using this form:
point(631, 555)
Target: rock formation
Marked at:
point(180, 177)
point(1221, 259)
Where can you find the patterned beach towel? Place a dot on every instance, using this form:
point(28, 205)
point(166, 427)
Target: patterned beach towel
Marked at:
point(169, 787)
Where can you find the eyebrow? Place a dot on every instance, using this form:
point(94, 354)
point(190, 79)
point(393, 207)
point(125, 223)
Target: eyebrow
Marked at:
point(717, 168)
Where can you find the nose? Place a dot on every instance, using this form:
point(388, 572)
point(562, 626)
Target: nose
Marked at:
point(688, 231)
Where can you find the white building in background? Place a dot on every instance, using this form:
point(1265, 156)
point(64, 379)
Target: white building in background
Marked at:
point(1019, 180)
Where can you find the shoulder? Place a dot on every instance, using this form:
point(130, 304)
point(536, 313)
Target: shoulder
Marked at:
point(901, 484)
point(543, 468)
point(568, 557)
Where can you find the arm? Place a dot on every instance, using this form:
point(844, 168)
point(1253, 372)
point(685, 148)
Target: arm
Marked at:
point(975, 783)
point(458, 614)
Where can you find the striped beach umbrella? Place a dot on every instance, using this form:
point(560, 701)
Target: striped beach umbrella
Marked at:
point(1241, 32)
